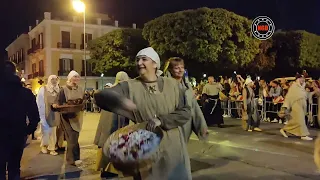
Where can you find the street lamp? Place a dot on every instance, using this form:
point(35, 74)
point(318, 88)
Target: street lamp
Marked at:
point(204, 75)
point(102, 80)
point(80, 7)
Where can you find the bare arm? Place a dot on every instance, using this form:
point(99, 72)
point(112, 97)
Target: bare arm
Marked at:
point(240, 79)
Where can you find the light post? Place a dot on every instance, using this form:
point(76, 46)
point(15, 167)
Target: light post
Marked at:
point(80, 7)
point(102, 80)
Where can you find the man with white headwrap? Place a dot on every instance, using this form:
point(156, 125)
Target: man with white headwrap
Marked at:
point(161, 103)
point(71, 122)
point(49, 119)
point(250, 117)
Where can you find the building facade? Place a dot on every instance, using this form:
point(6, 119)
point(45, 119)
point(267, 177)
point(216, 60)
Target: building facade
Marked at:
point(56, 46)
point(17, 52)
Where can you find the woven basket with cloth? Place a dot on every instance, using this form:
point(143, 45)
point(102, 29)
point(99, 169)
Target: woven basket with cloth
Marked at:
point(131, 168)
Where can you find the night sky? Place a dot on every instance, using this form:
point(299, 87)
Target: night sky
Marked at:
point(17, 15)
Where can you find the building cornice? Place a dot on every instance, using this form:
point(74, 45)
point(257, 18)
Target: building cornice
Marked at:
point(68, 23)
point(37, 27)
point(80, 24)
point(17, 39)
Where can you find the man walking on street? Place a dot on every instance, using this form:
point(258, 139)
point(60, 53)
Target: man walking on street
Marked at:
point(17, 104)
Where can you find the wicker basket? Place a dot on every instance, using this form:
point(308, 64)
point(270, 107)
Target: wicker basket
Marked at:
point(70, 108)
point(131, 168)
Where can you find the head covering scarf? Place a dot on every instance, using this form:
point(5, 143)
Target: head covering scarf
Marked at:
point(50, 87)
point(153, 55)
point(71, 75)
point(298, 76)
point(121, 76)
point(248, 81)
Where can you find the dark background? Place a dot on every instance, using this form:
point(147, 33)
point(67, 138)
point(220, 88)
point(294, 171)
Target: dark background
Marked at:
point(17, 15)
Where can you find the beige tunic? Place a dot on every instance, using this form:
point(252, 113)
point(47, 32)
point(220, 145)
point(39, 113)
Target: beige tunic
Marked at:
point(212, 89)
point(73, 94)
point(296, 103)
point(197, 123)
point(52, 118)
point(173, 148)
point(170, 106)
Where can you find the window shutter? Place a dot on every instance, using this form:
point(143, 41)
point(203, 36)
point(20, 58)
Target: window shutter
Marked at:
point(89, 37)
point(39, 66)
point(82, 38)
point(71, 64)
point(42, 39)
point(61, 65)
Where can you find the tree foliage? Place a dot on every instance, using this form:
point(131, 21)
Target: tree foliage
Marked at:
point(309, 55)
point(116, 50)
point(298, 49)
point(265, 59)
point(205, 35)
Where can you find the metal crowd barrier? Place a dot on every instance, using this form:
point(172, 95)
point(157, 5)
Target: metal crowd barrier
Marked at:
point(267, 108)
point(91, 107)
point(313, 112)
point(230, 105)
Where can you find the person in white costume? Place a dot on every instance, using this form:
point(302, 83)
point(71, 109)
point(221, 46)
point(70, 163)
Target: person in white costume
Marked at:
point(47, 95)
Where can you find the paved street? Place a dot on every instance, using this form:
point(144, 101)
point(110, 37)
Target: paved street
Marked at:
point(230, 153)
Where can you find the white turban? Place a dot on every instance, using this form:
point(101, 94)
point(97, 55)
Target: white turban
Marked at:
point(248, 81)
point(153, 55)
point(72, 74)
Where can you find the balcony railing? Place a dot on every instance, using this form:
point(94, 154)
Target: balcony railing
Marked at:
point(82, 46)
point(39, 46)
point(35, 48)
point(36, 74)
point(66, 45)
point(41, 73)
point(30, 76)
point(30, 51)
point(63, 73)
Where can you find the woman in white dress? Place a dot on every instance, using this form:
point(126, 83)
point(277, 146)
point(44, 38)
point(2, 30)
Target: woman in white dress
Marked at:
point(49, 119)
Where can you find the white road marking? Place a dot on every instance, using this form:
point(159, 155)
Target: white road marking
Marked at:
point(223, 143)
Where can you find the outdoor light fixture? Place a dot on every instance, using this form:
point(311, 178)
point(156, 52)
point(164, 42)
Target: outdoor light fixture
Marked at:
point(78, 6)
point(102, 75)
point(204, 75)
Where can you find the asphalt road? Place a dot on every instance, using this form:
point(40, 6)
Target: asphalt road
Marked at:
point(230, 153)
